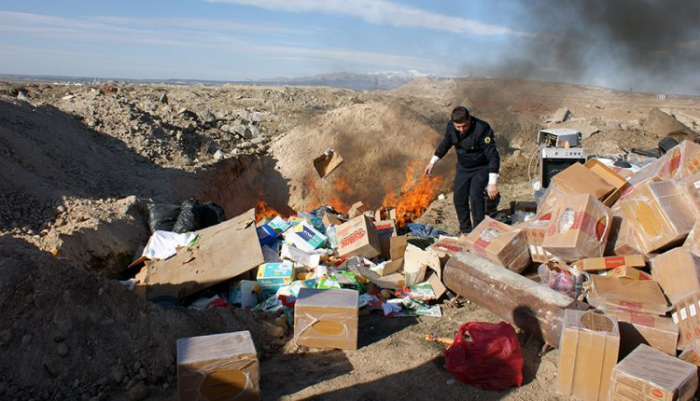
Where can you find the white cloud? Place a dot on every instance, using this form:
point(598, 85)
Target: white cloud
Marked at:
point(382, 12)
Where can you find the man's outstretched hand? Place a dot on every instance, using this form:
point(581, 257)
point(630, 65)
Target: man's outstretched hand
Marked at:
point(429, 169)
point(492, 190)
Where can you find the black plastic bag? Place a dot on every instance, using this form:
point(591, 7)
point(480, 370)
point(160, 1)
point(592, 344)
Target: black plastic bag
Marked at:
point(188, 219)
point(210, 214)
point(162, 216)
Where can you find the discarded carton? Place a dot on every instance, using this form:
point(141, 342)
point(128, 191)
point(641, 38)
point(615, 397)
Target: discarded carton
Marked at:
point(300, 257)
point(660, 215)
point(356, 209)
point(588, 352)
point(691, 354)
point(686, 314)
point(609, 263)
point(327, 162)
point(627, 272)
point(445, 248)
point(210, 261)
point(326, 318)
point(385, 213)
point(623, 239)
point(417, 262)
point(534, 231)
point(680, 162)
point(499, 243)
point(358, 237)
point(218, 367)
point(330, 219)
point(305, 237)
point(638, 328)
point(386, 229)
point(281, 273)
point(693, 240)
point(690, 187)
point(677, 272)
point(578, 229)
point(649, 374)
point(578, 179)
point(641, 296)
point(609, 176)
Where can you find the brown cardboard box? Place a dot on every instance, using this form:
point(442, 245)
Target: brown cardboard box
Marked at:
point(692, 353)
point(210, 261)
point(327, 162)
point(386, 229)
point(690, 187)
point(611, 177)
point(587, 353)
point(611, 293)
point(577, 179)
point(628, 273)
point(677, 272)
point(385, 213)
point(623, 240)
point(639, 328)
point(499, 243)
point(609, 263)
point(446, 248)
point(660, 215)
point(693, 240)
point(578, 229)
point(356, 209)
point(218, 367)
point(686, 314)
point(330, 219)
point(534, 230)
point(358, 237)
point(648, 374)
point(326, 318)
point(417, 262)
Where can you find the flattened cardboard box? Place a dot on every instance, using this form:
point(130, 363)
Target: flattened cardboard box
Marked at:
point(222, 367)
point(659, 214)
point(686, 314)
point(677, 272)
point(498, 243)
point(417, 262)
point(327, 162)
point(212, 260)
point(639, 328)
point(579, 228)
point(358, 237)
point(534, 231)
point(612, 293)
point(588, 351)
point(326, 318)
point(577, 179)
point(610, 262)
point(648, 374)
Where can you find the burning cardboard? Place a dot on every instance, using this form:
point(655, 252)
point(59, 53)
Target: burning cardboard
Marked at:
point(499, 243)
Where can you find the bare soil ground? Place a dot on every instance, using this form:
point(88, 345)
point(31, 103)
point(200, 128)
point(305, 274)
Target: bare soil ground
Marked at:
point(78, 164)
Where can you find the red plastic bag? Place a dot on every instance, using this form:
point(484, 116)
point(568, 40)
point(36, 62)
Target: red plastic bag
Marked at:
point(490, 360)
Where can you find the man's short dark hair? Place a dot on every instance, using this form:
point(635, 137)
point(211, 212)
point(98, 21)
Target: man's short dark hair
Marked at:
point(460, 115)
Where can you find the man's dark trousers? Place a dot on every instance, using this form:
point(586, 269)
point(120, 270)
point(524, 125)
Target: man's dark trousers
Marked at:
point(470, 184)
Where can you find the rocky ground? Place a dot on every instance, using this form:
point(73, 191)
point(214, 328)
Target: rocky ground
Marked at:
point(79, 163)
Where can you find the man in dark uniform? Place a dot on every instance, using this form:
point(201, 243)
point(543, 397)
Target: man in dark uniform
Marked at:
point(478, 163)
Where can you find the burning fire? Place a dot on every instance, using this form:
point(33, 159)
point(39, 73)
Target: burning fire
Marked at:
point(415, 195)
point(262, 209)
point(340, 186)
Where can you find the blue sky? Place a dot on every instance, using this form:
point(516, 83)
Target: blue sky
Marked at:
point(262, 39)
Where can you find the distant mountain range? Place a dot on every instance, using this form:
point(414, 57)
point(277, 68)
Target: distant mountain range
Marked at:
point(349, 80)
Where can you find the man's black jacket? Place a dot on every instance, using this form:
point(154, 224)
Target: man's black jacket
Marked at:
point(475, 149)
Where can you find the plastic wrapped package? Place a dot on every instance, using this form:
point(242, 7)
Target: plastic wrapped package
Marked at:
point(561, 278)
point(659, 214)
point(649, 374)
point(534, 231)
point(500, 244)
point(677, 272)
point(550, 198)
point(578, 229)
point(690, 186)
point(221, 366)
point(612, 293)
point(693, 240)
point(680, 162)
point(326, 318)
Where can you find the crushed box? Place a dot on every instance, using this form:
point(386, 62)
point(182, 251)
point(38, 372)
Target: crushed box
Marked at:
point(678, 273)
point(588, 352)
point(578, 228)
point(612, 293)
point(609, 263)
point(640, 328)
point(326, 318)
point(358, 237)
point(417, 262)
point(648, 374)
point(609, 176)
point(221, 367)
point(499, 243)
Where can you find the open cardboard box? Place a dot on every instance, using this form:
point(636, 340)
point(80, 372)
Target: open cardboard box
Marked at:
point(327, 162)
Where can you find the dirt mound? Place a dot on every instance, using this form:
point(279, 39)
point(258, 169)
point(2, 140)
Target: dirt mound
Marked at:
point(662, 124)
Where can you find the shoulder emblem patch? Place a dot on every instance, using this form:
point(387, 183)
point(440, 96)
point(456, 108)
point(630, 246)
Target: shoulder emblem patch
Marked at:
point(487, 140)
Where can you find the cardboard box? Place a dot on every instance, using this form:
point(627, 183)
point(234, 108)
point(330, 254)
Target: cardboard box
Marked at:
point(649, 374)
point(588, 351)
point(578, 229)
point(385, 213)
point(690, 187)
point(498, 243)
point(692, 353)
point(327, 162)
point(305, 237)
point(358, 237)
point(660, 215)
point(299, 257)
point(210, 261)
point(609, 263)
point(639, 328)
point(356, 209)
point(385, 230)
point(330, 219)
point(686, 314)
point(609, 176)
point(641, 296)
point(280, 273)
point(623, 239)
point(218, 367)
point(677, 272)
point(577, 179)
point(693, 240)
point(534, 230)
point(627, 272)
point(445, 248)
point(417, 262)
point(326, 318)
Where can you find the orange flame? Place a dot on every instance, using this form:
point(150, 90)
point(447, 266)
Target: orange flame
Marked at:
point(340, 186)
point(262, 209)
point(415, 195)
